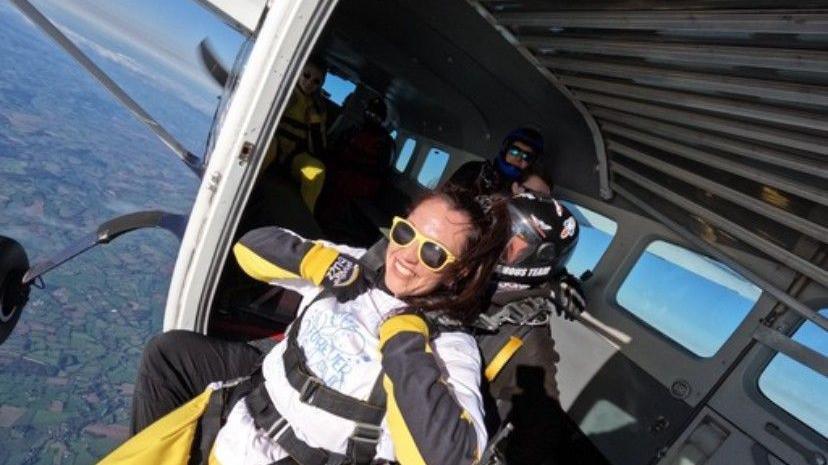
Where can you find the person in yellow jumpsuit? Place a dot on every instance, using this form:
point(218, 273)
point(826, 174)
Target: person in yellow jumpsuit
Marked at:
point(300, 142)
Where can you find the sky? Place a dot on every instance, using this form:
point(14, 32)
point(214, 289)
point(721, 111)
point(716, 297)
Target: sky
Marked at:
point(154, 38)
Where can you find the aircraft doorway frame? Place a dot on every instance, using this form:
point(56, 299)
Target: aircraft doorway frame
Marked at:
point(283, 41)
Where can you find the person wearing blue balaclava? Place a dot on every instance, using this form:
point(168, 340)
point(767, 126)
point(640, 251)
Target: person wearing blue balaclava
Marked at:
point(519, 150)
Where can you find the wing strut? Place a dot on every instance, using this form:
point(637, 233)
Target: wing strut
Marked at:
point(106, 233)
point(43, 23)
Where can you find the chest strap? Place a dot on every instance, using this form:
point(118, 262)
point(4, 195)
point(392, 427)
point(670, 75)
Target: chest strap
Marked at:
point(313, 390)
point(362, 444)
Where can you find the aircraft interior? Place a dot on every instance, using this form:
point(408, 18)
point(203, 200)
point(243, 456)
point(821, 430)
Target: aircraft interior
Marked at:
point(708, 153)
point(689, 139)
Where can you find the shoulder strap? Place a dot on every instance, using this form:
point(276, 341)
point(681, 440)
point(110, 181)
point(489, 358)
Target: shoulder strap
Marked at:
point(362, 445)
point(374, 258)
point(313, 390)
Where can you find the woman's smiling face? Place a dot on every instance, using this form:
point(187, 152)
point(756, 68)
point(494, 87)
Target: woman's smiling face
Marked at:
point(405, 274)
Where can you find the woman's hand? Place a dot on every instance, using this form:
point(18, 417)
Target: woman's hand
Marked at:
point(346, 278)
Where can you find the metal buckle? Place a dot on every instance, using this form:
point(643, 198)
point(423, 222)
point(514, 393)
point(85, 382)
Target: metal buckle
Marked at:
point(309, 387)
point(365, 432)
point(278, 427)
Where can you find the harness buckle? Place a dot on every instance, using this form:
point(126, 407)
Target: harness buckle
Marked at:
point(277, 428)
point(310, 386)
point(366, 432)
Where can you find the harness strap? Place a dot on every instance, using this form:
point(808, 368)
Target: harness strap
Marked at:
point(502, 357)
point(313, 390)
point(269, 420)
point(368, 415)
point(209, 424)
point(215, 415)
point(361, 445)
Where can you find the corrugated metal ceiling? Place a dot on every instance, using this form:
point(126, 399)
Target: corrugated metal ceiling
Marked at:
point(713, 114)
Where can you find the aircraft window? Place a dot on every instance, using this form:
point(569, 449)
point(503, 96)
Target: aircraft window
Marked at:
point(337, 88)
point(690, 298)
point(433, 167)
point(796, 388)
point(405, 155)
point(597, 232)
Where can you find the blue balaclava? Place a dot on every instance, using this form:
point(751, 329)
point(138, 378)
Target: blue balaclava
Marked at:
point(528, 136)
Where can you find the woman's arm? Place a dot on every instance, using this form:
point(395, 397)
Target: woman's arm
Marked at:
point(272, 253)
point(427, 423)
point(276, 256)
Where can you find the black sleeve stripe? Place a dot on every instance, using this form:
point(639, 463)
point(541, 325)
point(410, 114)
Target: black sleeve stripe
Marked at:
point(277, 246)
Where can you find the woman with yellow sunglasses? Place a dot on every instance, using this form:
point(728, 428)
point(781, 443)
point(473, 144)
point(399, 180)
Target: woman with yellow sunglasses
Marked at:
point(360, 376)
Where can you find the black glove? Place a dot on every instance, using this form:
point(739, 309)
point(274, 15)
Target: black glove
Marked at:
point(569, 298)
point(347, 278)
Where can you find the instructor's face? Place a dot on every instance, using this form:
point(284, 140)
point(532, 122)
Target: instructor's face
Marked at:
point(311, 79)
point(434, 219)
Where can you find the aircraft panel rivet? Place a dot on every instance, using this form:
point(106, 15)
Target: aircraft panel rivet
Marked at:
point(680, 389)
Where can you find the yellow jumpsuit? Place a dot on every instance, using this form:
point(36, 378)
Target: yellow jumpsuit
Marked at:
point(300, 140)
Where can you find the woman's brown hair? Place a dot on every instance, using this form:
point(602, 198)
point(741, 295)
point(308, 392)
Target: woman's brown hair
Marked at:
point(462, 297)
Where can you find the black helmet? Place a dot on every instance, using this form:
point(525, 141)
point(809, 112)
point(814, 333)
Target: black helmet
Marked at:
point(376, 110)
point(544, 234)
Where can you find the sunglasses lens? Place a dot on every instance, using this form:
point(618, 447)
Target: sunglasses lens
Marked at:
point(518, 153)
point(402, 233)
point(433, 255)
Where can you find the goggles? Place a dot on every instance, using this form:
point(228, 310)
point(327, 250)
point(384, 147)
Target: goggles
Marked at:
point(432, 254)
point(516, 152)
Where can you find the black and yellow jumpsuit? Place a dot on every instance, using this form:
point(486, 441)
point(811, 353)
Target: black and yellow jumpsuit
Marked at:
point(351, 346)
point(300, 144)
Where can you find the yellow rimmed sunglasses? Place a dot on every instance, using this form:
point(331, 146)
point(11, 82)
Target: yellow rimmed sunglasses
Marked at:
point(432, 254)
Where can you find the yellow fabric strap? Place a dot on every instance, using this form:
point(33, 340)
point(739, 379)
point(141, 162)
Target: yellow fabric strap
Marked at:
point(405, 448)
point(502, 358)
point(316, 262)
point(400, 324)
point(168, 441)
point(257, 267)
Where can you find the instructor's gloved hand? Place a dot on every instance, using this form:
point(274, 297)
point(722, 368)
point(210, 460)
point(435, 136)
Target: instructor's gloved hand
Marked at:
point(569, 298)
